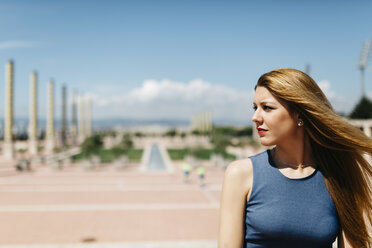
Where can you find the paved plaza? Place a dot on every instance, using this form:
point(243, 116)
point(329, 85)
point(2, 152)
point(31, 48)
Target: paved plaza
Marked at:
point(106, 207)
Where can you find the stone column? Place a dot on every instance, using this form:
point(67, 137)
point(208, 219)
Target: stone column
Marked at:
point(73, 129)
point(8, 148)
point(32, 132)
point(88, 116)
point(204, 119)
point(201, 121)
point(198, 122)
point(49, 141)
point(64, 117)
point(81, 125)
point(193, 126)
point(209, 121)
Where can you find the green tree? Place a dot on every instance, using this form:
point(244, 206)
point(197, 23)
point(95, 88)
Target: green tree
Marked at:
point(233, 131)
point(126, 143)
point(224, 130)
point(196, 132)
point(139, 134)
point(363, 109)
point(123, 147)
point(91, 145)
point(171, 133)
point(220, 142)
point(245, 131)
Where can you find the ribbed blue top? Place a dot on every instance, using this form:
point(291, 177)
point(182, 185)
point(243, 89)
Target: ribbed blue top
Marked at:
point(288, 213)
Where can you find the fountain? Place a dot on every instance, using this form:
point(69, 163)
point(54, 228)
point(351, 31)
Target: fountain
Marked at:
point(156, 159)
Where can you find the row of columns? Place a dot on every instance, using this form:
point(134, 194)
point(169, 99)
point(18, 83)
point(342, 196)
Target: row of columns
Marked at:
point(202, 122)
point(84, 117)
point(77, 136)
point(8, 125)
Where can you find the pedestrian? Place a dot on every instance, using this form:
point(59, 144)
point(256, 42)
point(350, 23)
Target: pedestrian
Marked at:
point(311, 187)
point(186, 168)
point(200, 170)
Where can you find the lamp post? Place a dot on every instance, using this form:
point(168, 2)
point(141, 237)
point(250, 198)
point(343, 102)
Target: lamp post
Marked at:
point(364, 56)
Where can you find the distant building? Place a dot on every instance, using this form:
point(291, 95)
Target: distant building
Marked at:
point(202, 122)
point(365, 125)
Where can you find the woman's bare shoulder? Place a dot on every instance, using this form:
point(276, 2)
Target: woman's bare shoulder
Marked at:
point(239, 172)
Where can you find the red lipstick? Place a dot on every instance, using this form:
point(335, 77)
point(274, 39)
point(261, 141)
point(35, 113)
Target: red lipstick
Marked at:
point(261, 130)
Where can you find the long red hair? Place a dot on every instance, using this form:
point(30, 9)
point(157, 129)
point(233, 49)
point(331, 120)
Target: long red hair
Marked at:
point(340, 150)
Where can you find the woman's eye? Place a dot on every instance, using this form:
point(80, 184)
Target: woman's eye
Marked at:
point(254, 108)
point(267, 108)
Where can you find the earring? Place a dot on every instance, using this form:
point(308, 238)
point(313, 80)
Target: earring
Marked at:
point(300, 124)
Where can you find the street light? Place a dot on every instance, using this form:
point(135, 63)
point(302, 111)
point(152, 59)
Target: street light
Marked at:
point(364, 56)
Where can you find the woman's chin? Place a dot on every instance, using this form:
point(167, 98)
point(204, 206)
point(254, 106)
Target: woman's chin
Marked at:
point(266, 142)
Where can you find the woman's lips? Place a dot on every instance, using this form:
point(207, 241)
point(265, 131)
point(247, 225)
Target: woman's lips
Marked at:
point(261, 130)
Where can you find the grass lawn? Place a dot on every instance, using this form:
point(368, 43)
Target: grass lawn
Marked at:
point(203, 154)
point(109, 155)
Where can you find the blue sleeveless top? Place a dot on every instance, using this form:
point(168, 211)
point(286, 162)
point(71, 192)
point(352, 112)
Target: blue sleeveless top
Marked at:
point(288, 213)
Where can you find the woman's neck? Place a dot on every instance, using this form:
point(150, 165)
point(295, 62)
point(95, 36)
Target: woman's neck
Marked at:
point(296, 154)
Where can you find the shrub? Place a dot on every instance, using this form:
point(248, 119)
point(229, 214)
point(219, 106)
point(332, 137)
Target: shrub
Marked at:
point(363, 109)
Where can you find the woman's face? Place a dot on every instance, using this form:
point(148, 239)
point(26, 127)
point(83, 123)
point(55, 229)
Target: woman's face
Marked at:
point(274, 122)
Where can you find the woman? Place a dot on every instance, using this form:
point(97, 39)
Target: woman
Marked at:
point(312, 187)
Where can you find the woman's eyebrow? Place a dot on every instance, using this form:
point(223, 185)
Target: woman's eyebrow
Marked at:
point(267, 102)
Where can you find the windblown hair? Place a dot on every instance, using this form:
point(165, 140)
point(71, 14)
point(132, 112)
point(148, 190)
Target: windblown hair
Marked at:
point(340, 150)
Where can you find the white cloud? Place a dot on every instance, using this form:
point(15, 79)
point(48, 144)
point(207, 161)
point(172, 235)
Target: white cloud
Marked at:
point(369, 95)
point(169, 99)
point(339, 102)
point(16, 44)
point(325, 86)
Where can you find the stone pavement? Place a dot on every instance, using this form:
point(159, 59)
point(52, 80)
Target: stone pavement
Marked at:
point(107, 208)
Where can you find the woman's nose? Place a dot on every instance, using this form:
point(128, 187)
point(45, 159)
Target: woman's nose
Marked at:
point(256, 118)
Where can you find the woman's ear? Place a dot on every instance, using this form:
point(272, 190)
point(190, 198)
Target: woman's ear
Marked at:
point(300, 122)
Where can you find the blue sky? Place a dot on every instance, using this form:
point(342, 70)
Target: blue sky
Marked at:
point(170, 59)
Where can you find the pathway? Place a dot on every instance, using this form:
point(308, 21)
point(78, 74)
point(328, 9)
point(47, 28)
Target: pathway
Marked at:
point(108, 208)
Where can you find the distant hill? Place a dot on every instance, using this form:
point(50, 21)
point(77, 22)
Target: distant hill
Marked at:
point(21, 124)
point(115, 122)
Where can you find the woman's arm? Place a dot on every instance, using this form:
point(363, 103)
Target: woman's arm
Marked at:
point(236, 187)
point(342, 241)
